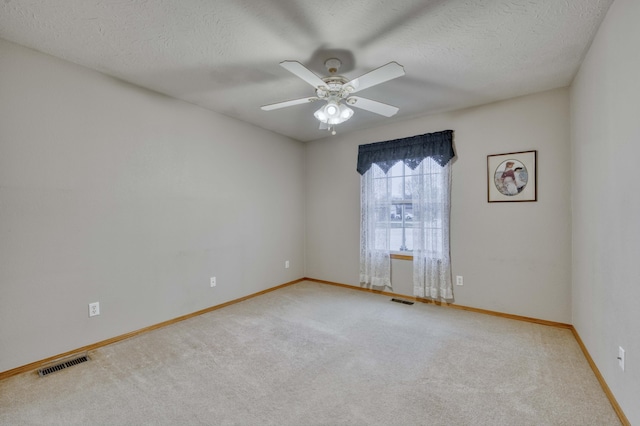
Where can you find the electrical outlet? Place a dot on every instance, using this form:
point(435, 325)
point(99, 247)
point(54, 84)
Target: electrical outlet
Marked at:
point(621, 357)
point(286, 264)
point(459, 280)
point(213, 281)
point(94, 309)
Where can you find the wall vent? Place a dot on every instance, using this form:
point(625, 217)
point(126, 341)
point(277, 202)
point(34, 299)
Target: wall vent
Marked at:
point(405, 302)
point(62, 364)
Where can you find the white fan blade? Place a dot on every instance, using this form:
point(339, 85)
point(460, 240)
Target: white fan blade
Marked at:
point(373, 106)
point(379, 75)
point(288, 103)
point(303, 72)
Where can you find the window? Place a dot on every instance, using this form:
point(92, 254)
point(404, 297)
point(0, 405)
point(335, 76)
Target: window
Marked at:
point(396, 205)
point(401, 217)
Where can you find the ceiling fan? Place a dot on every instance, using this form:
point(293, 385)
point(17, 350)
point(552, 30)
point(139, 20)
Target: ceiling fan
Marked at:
point(338, 92)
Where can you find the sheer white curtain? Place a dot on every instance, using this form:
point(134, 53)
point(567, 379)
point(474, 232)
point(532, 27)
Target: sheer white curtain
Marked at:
point(375, 213)
point(431, 188)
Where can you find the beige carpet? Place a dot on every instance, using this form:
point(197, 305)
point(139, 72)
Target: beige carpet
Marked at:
point(317, 354)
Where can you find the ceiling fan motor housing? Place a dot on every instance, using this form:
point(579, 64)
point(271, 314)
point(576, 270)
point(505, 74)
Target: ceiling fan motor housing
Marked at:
point(335, 87)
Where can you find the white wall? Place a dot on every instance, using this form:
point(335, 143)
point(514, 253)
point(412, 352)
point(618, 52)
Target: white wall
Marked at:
point(606, 205)
point(115, 194)
point(515, 257)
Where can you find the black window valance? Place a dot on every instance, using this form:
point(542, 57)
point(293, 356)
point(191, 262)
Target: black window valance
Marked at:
point(411, 150)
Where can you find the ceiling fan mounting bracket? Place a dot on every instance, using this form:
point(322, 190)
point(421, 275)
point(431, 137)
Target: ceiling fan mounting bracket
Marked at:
point(333, 65)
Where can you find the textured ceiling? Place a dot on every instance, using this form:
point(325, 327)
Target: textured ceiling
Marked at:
point(224, 55)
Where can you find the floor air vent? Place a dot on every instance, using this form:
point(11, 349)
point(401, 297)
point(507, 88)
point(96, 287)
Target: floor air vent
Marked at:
point(406, 302)
point(62, 364)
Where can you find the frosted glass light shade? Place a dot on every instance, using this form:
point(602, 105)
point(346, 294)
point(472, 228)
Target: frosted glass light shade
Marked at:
point(333, 113)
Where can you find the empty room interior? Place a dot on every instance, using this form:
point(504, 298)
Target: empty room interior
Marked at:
point(153, 214)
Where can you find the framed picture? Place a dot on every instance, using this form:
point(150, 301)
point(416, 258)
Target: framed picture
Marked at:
point(512, 177)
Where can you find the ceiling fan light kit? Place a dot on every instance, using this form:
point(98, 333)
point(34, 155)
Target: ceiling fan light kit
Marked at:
point(337, 90)
point(333, 113)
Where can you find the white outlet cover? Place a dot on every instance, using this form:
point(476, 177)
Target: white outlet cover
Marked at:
point(213, 281)
point(94, 309)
